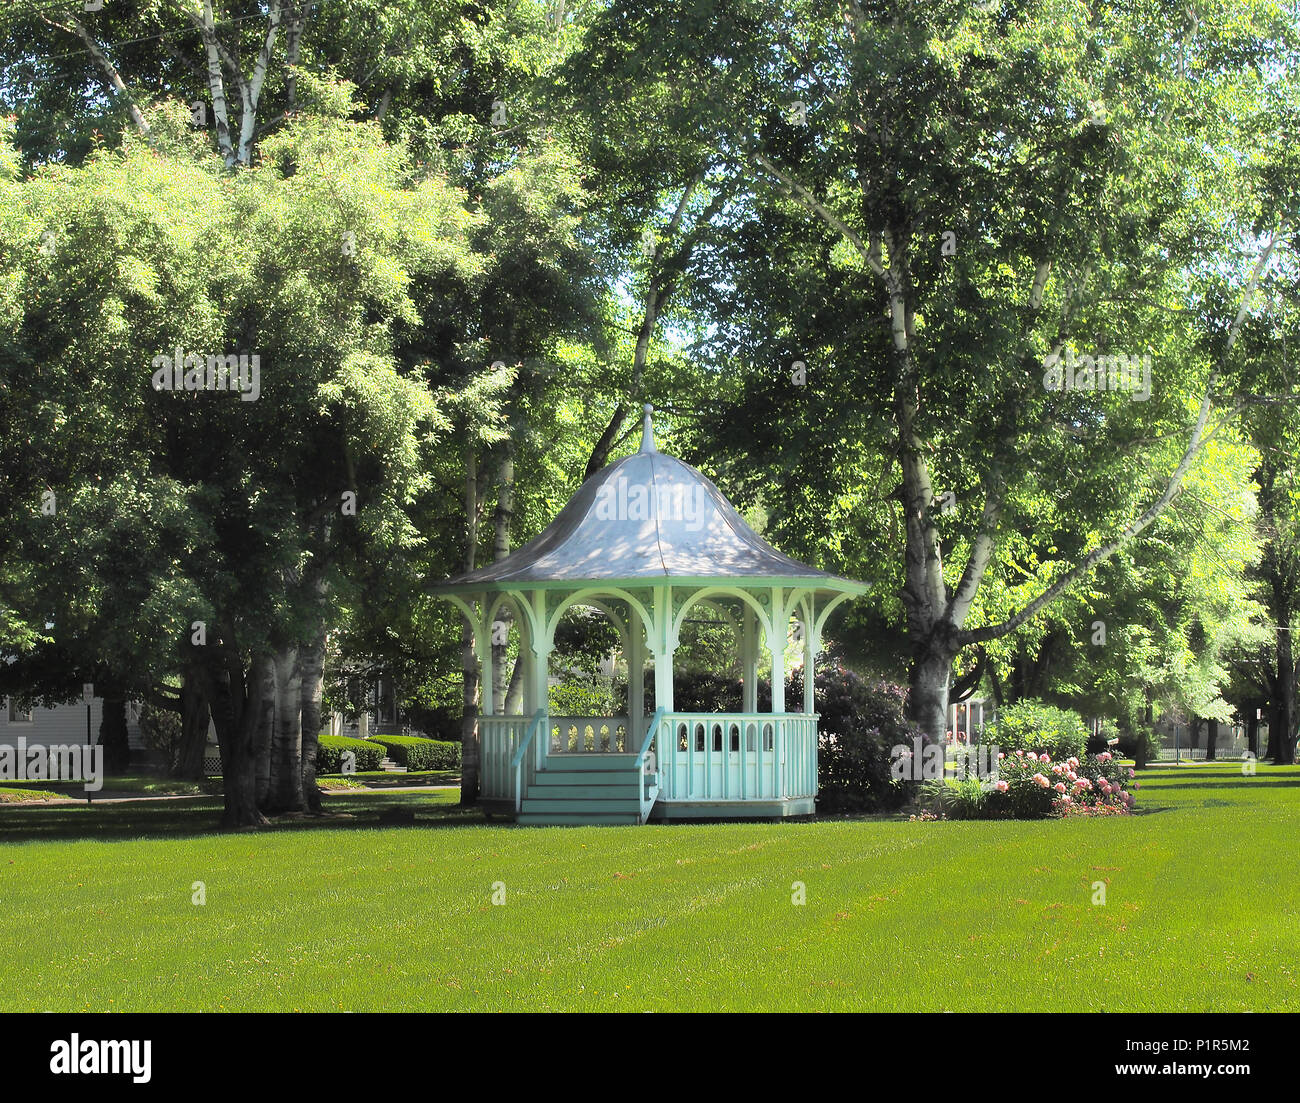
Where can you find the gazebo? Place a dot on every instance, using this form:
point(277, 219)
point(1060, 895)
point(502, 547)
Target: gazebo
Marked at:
point(646, 540)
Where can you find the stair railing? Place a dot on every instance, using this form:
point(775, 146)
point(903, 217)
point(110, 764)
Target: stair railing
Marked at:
point(648, 791)
point(517, 759)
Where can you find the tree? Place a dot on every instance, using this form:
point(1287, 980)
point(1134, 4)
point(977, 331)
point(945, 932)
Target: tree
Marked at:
point(278, 491)
point(967, 203)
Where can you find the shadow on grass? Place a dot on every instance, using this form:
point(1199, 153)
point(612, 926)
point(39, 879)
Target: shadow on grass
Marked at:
point(195, 817)
point(1221, 783)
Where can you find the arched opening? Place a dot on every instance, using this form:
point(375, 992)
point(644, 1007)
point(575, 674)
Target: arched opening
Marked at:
point(596, 679)
point(507, 645)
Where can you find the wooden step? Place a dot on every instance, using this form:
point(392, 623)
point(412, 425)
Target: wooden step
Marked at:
point(585, 777)
point(612, 761)
point(597, 806)
point(574, 819)
point(623, 790)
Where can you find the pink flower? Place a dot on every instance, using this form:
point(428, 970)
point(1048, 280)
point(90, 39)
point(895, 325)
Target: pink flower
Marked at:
point(1001, 756)
point(1137, 785)
point(1044, 757)
point(1001, 786)
point(1042, 781)
point(1073, 763)
point(1065, 800)
point(1059, 787)
point(1132, 772)
point(1104, 756)
point(1057, 768)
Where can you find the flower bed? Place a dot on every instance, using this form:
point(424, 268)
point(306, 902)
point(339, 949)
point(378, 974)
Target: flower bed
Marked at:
point(1031, 786)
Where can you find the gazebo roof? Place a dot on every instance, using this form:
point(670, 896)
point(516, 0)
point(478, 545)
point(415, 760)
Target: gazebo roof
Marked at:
point(644, 519)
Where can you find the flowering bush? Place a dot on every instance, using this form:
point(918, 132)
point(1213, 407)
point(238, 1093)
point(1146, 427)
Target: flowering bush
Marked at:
point(1030, 786)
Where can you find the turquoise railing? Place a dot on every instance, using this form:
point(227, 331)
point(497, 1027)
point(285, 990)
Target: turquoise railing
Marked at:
point(738, 756)
point(648, 789)
point(590, 735)
point(517, 760)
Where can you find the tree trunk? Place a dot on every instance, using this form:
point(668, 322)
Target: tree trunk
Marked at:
point(1252, 734)
point(311, 662)
point(1148, 724)
point(1193, 733)
point(263, 736)
point(514, 700)
point(1281, 733)
point(112, 735)
point(927, 698)
point(284, 791)
point(469, 744)
point(195, 714)
point(501, 523)
point(241, 710)
point(1211, 737)
point(468, 660)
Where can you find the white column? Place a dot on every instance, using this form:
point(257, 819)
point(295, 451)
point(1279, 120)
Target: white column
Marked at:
point(809, 657)
point(776, 640)
point(483, 645)
point(778, 627)
point(536, 691)
point(635, 679)
point(749, 659)
point(663, 643)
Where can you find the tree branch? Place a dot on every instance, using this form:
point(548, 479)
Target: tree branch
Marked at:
point(1196, 442)
point(114, 78)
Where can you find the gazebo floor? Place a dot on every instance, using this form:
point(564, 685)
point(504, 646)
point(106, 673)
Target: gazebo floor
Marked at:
point(733, 809)
point(595, 813)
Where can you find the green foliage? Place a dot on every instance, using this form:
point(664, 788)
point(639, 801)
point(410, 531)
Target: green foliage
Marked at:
point(1038, 727)
point(1141, 743)
point(417, 753)
point(329, 756)
point(161, 731)
point(861, 722)
point(964, 799)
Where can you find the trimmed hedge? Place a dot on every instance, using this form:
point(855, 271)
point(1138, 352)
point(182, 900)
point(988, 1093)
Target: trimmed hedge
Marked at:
point(329, 756)
point(417, 753)
point(1034, 726)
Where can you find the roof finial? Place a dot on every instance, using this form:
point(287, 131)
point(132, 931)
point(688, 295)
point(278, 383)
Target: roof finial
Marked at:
point(648, 431)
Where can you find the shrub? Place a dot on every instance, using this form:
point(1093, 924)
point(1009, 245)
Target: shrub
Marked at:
point(860, 723)
point(966, 799)
point(1028, 786)
point(1142, 744)
point(161, 731)
point(702, 691)
point(329, 755)
point(417, 753)
point(1031, 787)
point(1033, 726)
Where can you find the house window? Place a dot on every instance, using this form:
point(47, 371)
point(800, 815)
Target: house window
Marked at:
point(16, 716)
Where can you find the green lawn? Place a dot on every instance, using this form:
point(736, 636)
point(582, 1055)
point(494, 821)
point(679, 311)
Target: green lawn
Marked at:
point(1202, 909)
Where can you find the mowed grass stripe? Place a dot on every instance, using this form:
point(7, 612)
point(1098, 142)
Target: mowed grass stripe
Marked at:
point(1200, 913)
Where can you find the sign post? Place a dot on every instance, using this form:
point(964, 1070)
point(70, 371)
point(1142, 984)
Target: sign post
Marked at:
point(88, 695)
